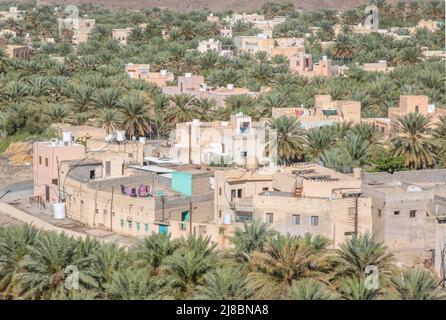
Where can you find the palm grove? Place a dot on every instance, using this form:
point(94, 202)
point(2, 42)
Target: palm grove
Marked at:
point(262, 265)
point(91, 87)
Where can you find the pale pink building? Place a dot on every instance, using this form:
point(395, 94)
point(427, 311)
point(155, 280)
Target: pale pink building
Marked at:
point(47, 157)
point(302, 65)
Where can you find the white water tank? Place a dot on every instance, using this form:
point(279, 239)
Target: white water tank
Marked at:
point(59, 210)
point(431, 108)
point(413, 189)
point(66, 138)
point(227, 218)
point(188, 74)
point(230, 86)
point(142, 140)
point(120, 136)
point(163, 72)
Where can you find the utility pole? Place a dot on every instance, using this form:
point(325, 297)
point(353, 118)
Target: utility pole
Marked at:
point(190, 143)
point(190, 215)
point(95, 204)
point(111, 208)
point(356, 214)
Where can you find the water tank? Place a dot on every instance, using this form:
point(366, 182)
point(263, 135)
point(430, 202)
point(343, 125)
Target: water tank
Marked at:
point(431, 108)
point(188, 74)
point(66, 138)
point(227, 218)
point(163, 72)
point(413, 189)
point(59, 210)
point(120, 136)
point(142, 140)
point(324, 58)
point(230, 86)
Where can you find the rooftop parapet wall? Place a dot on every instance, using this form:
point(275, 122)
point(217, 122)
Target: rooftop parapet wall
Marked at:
point(418, 176)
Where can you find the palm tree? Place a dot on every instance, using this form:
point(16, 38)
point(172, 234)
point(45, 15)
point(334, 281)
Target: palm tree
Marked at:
point(357, 148)
point(234, 104)
point(205, 107)
point(42, 273)
point(104, 263)
point(343, 48)
point(224, 284)
point(58, 113)
point(318, 141)
point(412, 140)
point(355, 289)
point(285, 259)
point(289, 140)
point(107, 98)
point(15, 244)
point(309, 289)
point(417, 284)
point(182, 109)
point(108, 119)
point(151, 252)
point(251, 238)
point(184, 270)
point(135, 115)
point(359, 252)
point(409, 55)
point(129, 284)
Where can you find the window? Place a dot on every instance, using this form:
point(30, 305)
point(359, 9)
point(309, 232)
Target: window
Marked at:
point(138, 226)
point(296, 218)
point(239, 193)
point(129, 224)
point(146, 227)
point(54, 181)
point(219, 191)
point(46, 162)
point(122, 223)
point(396, 213)
point(233, 194)
point(314, 221)
point(105, 211)
point(130, 155)
point(265, 189)
point(379, 212)
point(269, 218)
point(417, 109)
point(412, 213)
point(219, 214)
point(244, 154)
point(107, 168)
point(92, 174)
point(40, 159)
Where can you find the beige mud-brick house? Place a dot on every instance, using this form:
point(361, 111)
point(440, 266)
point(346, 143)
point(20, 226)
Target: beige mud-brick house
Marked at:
point(237, 142)
point(305, 198)
point(121, 35)
point(17, 51)
point(409, 214)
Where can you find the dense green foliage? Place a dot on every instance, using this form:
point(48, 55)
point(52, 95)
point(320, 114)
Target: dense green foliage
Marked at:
point(262, 265)
point(88, 84)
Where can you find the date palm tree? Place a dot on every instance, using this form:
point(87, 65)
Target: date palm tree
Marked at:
point(224, 284)
point(15, 244)
point(285, 258)
point(309, 289)
point(290, 138)
point(343, 48)
point(355, 289)
point(417, 284)
point(134, 115)
point(182, 109)
point(318, 140)
point(42, 272)
point(357, 253)
point(108, 120)
point(151, 252)
point(412, 140)
point(251, 238)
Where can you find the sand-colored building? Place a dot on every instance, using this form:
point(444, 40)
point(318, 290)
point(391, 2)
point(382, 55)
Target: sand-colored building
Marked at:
point(17, 51)
point(79, 28)
point(409, 214)
point(253, 44)
point(325, 112)
point(214, 45)
point(244, 17)
point(13, 13)
point(237, 142)
point(302, 64)
point(431, 25)
point(418, 104)
point(226, 32)
point(142, 71)
point(380, 66)
point(313, 199)
point(121, 35)
point(195, 85)
point(47, 157)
